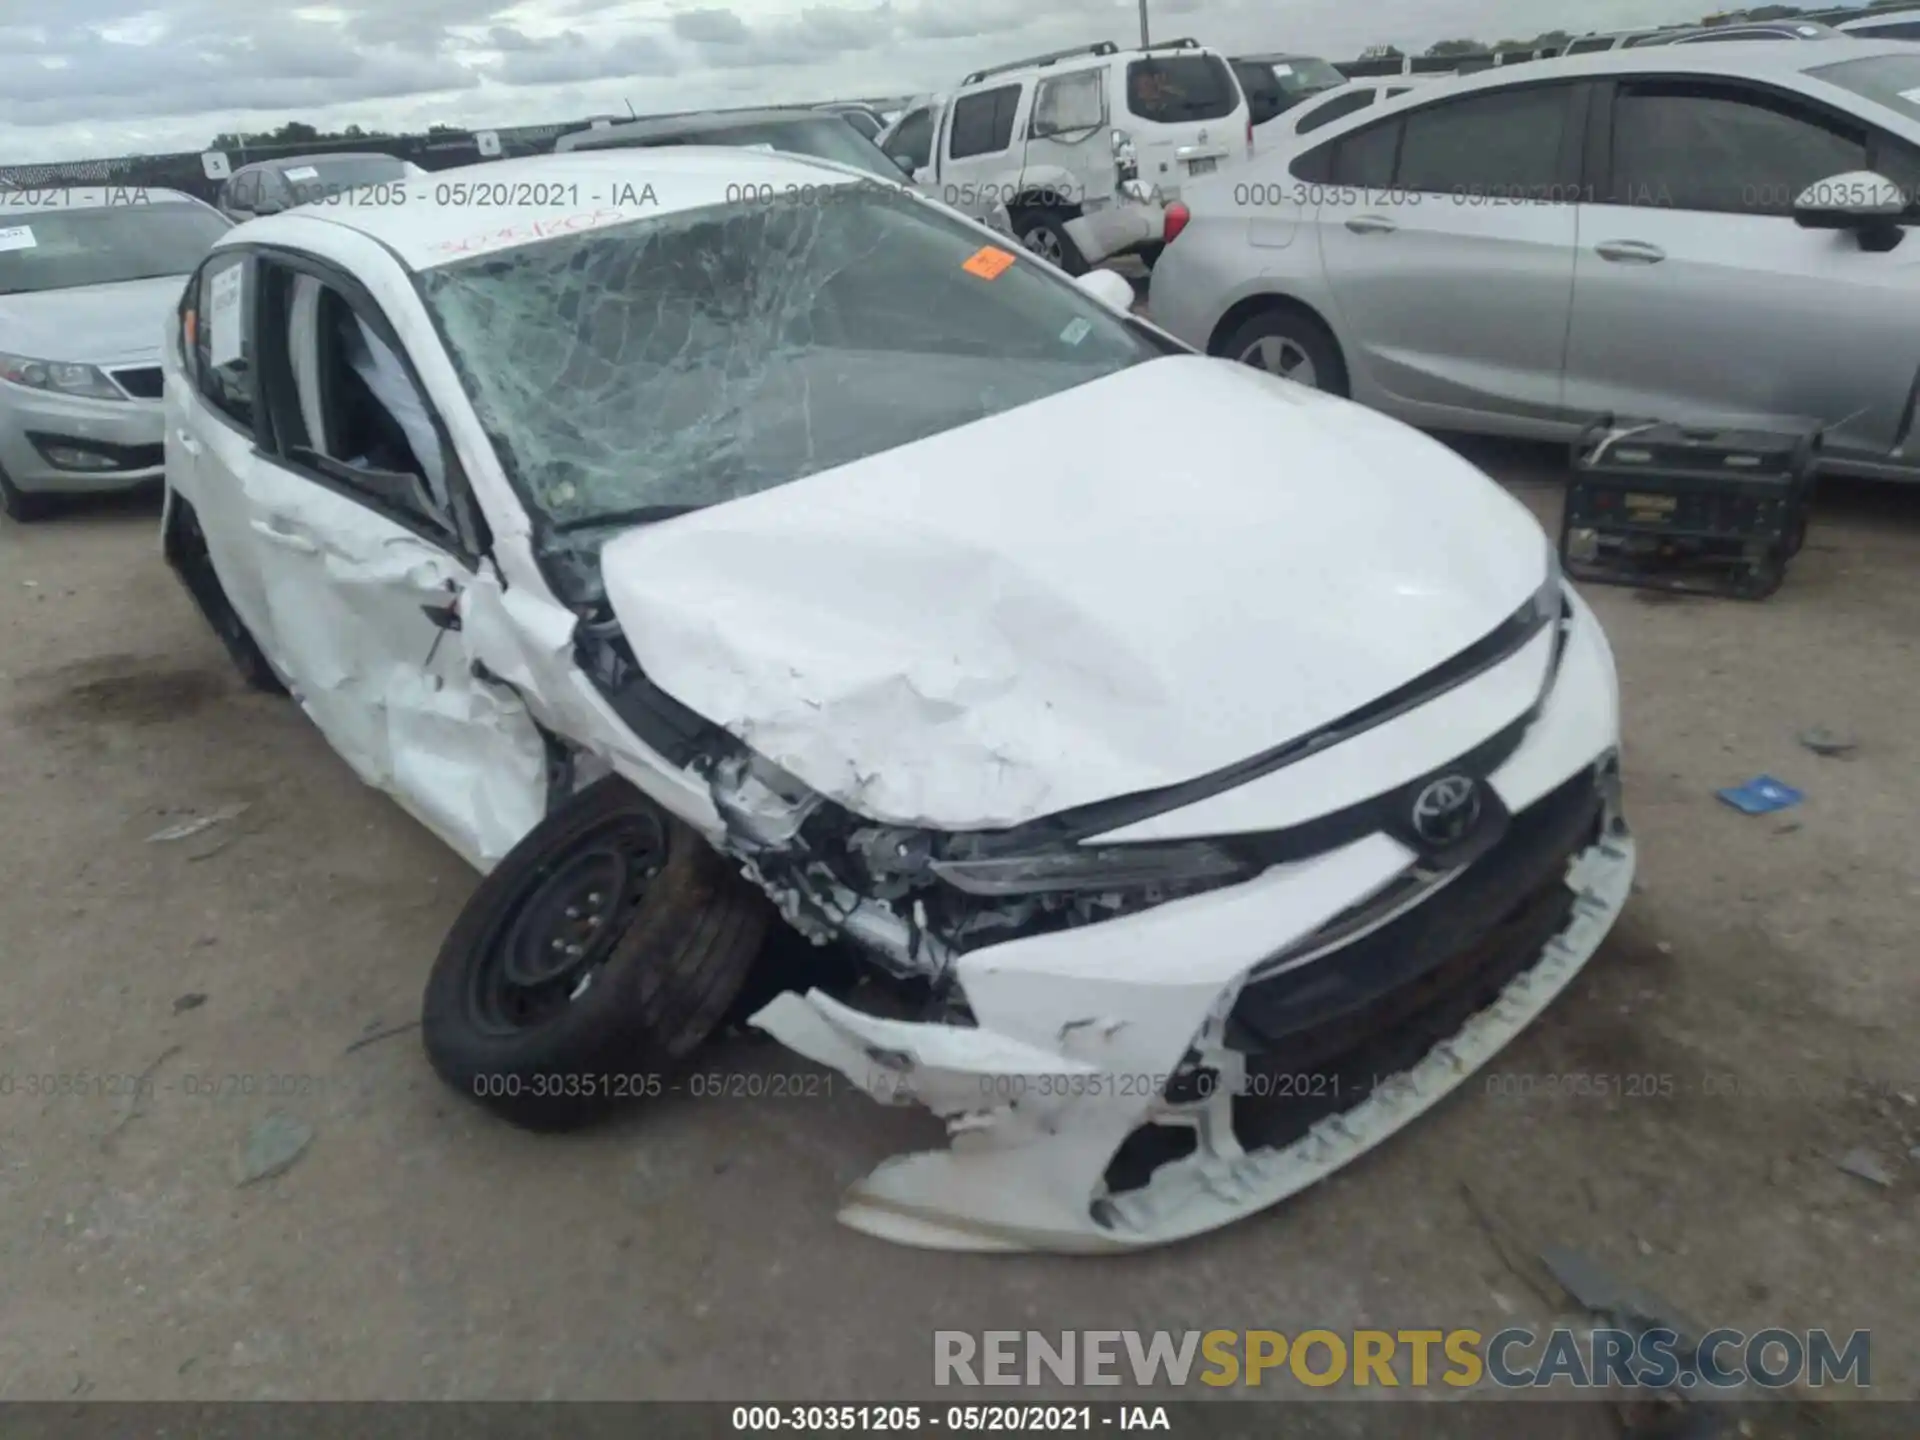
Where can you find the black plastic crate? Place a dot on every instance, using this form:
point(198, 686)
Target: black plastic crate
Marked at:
point(1671, 507)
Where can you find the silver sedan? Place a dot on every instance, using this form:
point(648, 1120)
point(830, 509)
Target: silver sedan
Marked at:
point(1713, 234)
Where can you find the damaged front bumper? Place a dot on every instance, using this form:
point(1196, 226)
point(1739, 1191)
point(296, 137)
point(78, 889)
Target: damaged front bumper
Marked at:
point(1154, 1076)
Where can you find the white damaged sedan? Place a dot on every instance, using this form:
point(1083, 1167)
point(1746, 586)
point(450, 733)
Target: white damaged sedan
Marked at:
point(1207, 774)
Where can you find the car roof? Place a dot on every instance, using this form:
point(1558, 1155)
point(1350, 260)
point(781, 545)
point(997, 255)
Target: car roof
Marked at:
point(1881, 16)
point(30, 199)
point(1804, 29)
point(1735, 59)
point(696, 120)
point(601, 188)
point(293, 162)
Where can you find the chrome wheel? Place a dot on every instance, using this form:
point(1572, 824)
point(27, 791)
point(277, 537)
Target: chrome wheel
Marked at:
point(1281, 356)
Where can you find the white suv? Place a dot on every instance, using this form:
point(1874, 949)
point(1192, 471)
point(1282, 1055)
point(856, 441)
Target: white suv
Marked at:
point(1084, 147)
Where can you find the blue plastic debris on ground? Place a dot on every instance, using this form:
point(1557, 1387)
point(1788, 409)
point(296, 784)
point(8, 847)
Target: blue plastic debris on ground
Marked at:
point(1761, 795)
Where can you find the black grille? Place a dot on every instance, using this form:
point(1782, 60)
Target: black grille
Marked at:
point(143, 384)
point(1319, 1037)
point(123, 457)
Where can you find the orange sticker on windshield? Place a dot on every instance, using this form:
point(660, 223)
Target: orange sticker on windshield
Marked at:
point(988, 262)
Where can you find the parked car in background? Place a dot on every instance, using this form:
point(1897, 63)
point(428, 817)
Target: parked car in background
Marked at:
point(863, 118)
point(1615, 40)
point(817, 133)
point(1882, 25)
point(1727, 240)
point(1274, 84)
point(87, 279)
point(1716, 34)
point(1082, 146)
point(674, 566)
point(1321, 110)
point(267, 187)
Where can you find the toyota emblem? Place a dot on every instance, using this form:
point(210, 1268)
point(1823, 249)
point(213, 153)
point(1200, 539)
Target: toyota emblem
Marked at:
point(1444, 812)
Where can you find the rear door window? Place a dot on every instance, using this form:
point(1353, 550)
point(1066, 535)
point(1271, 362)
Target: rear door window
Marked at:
point(983, 122)
point(1331, 110)
point(1505, 144)
point(1176, 89)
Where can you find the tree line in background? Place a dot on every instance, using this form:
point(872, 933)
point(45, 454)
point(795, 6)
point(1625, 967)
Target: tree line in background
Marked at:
point(297, 132)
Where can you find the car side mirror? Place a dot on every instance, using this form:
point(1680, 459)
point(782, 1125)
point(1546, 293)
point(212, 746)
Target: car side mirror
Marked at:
point(1859, 200)
point(1113, 291)
point(905, 162)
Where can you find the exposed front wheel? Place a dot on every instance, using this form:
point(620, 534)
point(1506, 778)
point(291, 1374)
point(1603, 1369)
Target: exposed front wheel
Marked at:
point(590, 963)
point(1291, 344)
point(1044, 233)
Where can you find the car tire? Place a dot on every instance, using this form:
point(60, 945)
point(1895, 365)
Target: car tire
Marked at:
point(186, 550)
point(23, 506)
point(1293, 343)
point(1044, 233)
point(552, 1018)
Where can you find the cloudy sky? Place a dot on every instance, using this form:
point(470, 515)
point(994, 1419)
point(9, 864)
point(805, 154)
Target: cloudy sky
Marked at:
point(87, 78)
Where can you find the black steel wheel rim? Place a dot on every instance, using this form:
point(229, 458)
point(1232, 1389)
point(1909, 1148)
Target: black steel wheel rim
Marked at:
point(543, 951)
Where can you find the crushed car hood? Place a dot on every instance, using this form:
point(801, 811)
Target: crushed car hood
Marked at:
point(1120, 587)
point(91, 323)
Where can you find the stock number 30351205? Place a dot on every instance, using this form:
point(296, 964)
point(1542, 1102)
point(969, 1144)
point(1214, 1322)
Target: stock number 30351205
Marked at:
point(907, 1419)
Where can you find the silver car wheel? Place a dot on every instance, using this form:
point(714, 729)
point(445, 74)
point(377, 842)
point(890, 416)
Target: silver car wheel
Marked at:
point(1041, 240)
point(1280, 356)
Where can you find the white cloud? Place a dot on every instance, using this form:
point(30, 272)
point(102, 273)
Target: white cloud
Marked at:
point(109, 77)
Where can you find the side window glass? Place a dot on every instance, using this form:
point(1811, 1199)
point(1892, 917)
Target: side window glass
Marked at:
point(222, 325)
point(1334, 109)
point(1725, 153)
point(352, 410)
point(1506, 144)
point(914, 138)
point(1364, 159)
point(1900, 163)
point(983, 122)
point(1069, 103)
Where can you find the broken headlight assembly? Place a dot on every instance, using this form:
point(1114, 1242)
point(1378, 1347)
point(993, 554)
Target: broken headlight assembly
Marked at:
point(1079, 868)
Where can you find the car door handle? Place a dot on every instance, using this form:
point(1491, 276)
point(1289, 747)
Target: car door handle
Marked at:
point(187, 442)
point(1630, 252)
point(1371, 225)
point(286, 539)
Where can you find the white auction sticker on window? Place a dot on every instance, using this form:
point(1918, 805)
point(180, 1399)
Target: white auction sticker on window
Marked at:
point(1283, 69)
point(303, 172)
point(17, 237)
point(222, 319)
point(1912, 97)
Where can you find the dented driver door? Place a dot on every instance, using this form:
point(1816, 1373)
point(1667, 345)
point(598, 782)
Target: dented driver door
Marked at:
point(365, 539)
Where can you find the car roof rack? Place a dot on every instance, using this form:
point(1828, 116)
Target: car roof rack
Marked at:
point(1099, 47)
point(1185, 43)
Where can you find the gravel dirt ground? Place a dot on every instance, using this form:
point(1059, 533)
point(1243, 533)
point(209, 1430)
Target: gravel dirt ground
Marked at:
point(417, 1249)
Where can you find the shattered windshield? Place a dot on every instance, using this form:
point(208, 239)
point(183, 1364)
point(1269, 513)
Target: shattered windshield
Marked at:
point(628, 374)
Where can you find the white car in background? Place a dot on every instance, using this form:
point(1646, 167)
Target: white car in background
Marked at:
point(681, 591)
point(87, 278)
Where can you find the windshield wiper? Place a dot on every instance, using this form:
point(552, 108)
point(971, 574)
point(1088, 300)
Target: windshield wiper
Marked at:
point(640, 515)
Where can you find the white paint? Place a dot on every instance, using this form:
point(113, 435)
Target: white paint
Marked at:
point(303, 172)
point(1130, 996)
point(1912, 97)
point(17, 237)
point(941, 632)
point(1174, 599)
point(225, 333)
